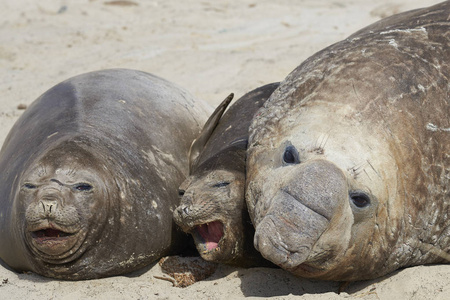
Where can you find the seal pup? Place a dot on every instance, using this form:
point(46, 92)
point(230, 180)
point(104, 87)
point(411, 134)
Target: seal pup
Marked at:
point(86, 188)
point(349, 160)
point(212, 206)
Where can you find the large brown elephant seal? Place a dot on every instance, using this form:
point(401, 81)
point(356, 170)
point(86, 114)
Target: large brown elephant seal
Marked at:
point(88, 175)
point(212, 206)
point(349, 160)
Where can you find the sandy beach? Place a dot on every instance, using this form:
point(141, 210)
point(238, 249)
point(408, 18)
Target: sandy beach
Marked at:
point(211, 49)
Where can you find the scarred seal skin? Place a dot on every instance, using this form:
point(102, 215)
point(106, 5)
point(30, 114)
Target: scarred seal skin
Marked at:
point(86, 188)
point(212, 206)
point(349, 160)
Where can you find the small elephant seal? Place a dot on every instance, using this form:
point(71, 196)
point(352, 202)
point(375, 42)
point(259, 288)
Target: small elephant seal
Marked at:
point(349, 159)
point(88, 173)
point(212, 206)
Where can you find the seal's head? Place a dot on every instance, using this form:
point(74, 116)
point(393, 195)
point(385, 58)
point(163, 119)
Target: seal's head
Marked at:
point(315, 196)
point(345, 176)
point(211, 209)
point(315, 192)
point(66, 203)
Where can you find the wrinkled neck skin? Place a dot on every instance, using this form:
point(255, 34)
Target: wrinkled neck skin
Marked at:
point(305, 218)
point(66, 205)
point(211, 210)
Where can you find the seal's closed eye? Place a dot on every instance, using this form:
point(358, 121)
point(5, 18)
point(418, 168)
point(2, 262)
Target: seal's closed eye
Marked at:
point(29, 186)
point(221, 184)
point(82, 187)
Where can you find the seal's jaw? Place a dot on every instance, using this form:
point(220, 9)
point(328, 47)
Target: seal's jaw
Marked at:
point(50, 234)
point(53, 241)
point(209, 236)
point(219, 241)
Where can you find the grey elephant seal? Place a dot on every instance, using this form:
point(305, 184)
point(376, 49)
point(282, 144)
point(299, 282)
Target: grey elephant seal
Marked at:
point(349, 160)
point(212, 206)
point(88, 173)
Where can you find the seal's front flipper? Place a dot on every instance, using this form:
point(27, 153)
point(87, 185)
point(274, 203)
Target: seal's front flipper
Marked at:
point(199, 143)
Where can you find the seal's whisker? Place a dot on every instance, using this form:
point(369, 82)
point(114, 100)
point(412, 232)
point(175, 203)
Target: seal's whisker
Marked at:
point(356, 170)
point(373, 168)
point(433, 250)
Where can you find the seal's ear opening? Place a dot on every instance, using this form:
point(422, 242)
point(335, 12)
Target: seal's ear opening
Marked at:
point(199, 143)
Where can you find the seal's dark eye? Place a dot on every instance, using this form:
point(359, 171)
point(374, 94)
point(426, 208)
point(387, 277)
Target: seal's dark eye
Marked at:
point(290, 155)
point(83, 187)
point(181, 192)
point(360, 199)
point(30, 186)
point(221, 184)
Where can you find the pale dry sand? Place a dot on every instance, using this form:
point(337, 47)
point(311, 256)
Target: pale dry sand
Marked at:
point(211, 48)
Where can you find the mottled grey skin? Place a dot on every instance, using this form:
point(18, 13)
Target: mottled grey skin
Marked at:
point(86, 188)
point(349, 160)
point(213, 207)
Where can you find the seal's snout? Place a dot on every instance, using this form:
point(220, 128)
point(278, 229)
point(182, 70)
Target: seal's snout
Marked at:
point(286, 237)
point(183, 217)
point(319, 185)
point(52, 227)
point(49, 202)
point(299, 212)
point(183, 211)
point(48, 206)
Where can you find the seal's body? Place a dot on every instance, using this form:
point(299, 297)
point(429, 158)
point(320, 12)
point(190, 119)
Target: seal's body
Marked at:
point(88, 173)
point(213, 207)
point(349, 160)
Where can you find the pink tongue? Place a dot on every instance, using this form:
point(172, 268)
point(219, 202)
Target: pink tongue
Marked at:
point(211, 233)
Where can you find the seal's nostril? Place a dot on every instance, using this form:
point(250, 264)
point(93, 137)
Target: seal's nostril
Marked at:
point(49, 207)
point(186, 210)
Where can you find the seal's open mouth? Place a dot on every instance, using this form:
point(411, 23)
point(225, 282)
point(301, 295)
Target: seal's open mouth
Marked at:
point(49, 234)
point(52, 242)
point(210, 235)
